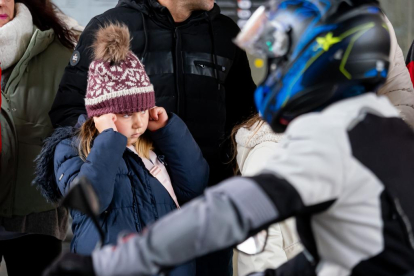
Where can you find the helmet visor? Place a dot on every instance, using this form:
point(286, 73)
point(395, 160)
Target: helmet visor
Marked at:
point(263, 35)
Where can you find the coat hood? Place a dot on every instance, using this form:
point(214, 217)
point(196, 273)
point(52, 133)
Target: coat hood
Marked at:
point(140, 5)
point(44, 172)
point(247, 139)
point(153, 8)
point(251, 137)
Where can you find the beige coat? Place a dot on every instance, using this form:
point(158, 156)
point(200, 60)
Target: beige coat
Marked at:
point(254, 147)
point(398, 87)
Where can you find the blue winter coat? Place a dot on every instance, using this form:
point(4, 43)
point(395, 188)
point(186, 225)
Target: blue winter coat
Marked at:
point(130, 197)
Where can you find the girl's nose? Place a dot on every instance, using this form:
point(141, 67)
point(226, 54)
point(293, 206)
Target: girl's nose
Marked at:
point(138, 122)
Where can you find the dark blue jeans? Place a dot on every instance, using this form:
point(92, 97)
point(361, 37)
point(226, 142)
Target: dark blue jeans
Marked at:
point(30, 254)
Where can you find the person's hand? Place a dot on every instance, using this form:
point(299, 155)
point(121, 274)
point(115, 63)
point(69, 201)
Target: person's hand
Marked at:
point(158, 118)
point(70, 264)
point(105, 121)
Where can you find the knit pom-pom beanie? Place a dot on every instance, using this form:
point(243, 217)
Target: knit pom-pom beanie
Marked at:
point(117, 81)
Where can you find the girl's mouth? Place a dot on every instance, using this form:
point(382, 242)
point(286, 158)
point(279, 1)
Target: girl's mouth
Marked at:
point(4, 16)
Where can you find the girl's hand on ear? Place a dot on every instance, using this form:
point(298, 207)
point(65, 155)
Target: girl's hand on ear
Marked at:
point(158, 118)
point(105, 121)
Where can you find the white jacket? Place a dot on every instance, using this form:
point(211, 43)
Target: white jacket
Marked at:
point(254, 147)
point(398, 87)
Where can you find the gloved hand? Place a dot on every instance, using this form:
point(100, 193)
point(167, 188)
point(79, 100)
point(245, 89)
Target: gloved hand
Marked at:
point(70, 264)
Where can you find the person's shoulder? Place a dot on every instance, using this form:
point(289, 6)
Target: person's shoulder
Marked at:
point(227, 21)
point(320, 127)
point(226, 24)
point(68, 144)
point(52, 59)
point(312, 122)
point(121, 14)
point(334, 122)
point(60, 50)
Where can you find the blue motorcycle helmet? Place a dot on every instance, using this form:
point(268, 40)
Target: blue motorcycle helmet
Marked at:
point(318, 52)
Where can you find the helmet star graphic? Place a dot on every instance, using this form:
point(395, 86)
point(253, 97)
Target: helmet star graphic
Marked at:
point(326, 42)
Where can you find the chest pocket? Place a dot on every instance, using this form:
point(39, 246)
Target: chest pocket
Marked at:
point(203, 64)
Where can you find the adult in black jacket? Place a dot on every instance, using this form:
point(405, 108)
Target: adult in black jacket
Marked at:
point(197, 71)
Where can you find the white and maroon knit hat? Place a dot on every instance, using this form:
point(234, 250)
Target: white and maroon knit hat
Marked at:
point(117, 81)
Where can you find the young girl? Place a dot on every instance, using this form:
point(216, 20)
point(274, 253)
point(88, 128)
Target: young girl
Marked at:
point(256, 142)
point(115, 149)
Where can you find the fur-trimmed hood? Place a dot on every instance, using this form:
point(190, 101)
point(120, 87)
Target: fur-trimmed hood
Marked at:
point(251, 137)
point(44, 172)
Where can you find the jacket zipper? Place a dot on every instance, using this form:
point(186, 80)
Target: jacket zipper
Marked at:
point(178, 71)
point(104, 220)
point(10, 119)
point(138, 222)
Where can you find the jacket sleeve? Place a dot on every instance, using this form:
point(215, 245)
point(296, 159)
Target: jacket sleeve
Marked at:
point(237, 208)
point(69, 102)
point(224, 217)
point(398, 87)
point(187, 167)
point(100, 167)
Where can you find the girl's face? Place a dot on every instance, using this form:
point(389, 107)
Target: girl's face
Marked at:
point(6, 11)
point(132, 125)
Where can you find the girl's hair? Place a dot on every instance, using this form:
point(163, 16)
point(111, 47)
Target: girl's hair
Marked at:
point(45, 17)
point(255, 118)
point(88, 132)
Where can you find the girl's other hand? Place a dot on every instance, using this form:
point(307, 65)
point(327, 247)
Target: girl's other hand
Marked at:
point(158, 118)
point(105, 121)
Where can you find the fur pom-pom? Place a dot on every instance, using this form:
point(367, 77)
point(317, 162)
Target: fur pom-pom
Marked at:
point(112, 43)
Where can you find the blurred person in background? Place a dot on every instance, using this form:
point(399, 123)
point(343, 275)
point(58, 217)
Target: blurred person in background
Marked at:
point(254, 144)
point(35, 46)
point(398, 87)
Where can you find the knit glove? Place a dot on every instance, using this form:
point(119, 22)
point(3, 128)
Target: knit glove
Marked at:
point(70, 264)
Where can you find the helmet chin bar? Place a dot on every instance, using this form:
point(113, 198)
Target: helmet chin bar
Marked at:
point(313, 99)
